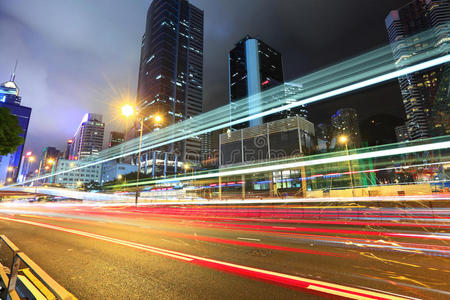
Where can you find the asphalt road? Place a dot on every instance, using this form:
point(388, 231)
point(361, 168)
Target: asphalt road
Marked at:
point(124, 253)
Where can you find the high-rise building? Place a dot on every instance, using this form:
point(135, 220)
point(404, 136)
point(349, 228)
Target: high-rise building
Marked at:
point(292, 92)
point(425, 93)
point(116, 138)
point(170, 82)
point(206, 148)
point(345, 123)
point(68, 151)
point(10, 99)
point(88, 139)
point(401, 133)
point(253, 67)
point(49, 160)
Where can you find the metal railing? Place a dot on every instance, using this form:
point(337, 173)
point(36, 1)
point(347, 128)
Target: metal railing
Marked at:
point(47, 284)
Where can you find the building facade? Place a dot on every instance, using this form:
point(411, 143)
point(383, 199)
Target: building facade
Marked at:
point(402, 133)
point(10, 99)
point(78, 177)
point(88, 139)
point(116, 138)
point(289, 137)
point(170, 83)
point(345, 123)
point(425, 94)
point(112, 170)
point(68, 151)
point(253, 67)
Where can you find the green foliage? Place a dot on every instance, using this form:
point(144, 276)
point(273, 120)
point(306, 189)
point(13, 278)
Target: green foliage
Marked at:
point(91, 186)
point(9, 132)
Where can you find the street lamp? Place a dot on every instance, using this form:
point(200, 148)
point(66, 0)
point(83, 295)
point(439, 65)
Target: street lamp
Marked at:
point(344, 140)
point(128, 111)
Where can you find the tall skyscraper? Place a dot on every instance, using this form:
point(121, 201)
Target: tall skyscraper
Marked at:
point(345, 123)
point(88, 139)
point(170, 82)
point(10, 99)
point(425, 94)
point(253, 67)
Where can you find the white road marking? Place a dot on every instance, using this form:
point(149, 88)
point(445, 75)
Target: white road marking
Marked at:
point(249, 239)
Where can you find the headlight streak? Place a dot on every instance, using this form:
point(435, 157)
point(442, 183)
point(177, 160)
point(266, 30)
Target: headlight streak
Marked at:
point(360, 72)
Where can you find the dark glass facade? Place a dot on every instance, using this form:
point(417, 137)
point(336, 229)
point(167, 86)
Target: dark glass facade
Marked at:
point(345, 122)
point(253, 67)
point(424, 94)
point(10, 99)
point(116, 138)
point(171, 69)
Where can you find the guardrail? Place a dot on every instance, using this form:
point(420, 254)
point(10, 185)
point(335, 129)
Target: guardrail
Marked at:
point(46, 285)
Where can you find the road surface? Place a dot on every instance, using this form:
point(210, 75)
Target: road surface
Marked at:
point(214, 252)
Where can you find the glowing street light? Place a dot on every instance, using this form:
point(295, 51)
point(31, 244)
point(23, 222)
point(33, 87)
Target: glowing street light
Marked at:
point(158, 119)
point(344, 140)
point(127, 110)
point(9, 179)
point(31, 159)
point(119, 176)
point(10, 169)
point(50, 161)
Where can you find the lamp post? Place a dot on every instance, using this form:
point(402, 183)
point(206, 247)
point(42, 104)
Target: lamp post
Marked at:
point(344, 140)
point(128, 111)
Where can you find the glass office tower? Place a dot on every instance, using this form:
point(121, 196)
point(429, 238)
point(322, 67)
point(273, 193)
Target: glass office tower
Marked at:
point(170, 86)
point(9, 98)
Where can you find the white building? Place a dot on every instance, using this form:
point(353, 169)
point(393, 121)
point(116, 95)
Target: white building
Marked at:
point(76, 177)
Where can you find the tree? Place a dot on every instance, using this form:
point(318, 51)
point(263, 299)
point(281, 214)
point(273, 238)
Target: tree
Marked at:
point(9, 132)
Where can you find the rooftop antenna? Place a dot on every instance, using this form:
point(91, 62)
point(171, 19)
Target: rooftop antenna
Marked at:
point(13, 75)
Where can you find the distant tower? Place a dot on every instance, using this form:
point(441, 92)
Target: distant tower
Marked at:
point(426, 93)
point(88, 139)
point(68, 151)
point(170, 81)
point(253, 67)
point(345, 122)
point(10, 99)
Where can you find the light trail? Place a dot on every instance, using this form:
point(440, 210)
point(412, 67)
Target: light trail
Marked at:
point(243, 170)
point(366, 70)
point(256, 273)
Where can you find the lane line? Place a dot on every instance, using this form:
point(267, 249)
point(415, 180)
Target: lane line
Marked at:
point(249, 239)
point(280, 278)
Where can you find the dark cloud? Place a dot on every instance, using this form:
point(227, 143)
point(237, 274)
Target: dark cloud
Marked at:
point(82, 55)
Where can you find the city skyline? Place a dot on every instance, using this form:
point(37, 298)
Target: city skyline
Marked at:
point(220, 35)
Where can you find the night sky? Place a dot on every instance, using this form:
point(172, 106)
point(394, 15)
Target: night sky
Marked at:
point(79, 56)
